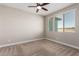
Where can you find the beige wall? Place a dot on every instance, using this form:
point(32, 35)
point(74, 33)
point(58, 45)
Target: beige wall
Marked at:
point(17, 25)
point(68, 38)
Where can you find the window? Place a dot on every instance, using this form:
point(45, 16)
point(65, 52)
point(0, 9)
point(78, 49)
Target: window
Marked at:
point(69, 21)
point(64, 22)
point(50, 25)
point(58, 23)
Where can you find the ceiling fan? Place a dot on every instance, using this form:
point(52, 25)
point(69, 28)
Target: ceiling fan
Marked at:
point(40, 6)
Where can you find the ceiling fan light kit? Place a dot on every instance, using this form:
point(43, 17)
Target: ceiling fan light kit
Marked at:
point(39, 7)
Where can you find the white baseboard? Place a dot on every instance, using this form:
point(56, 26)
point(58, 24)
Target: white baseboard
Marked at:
point(63, 43)
point(39, 39)
point(5, 45)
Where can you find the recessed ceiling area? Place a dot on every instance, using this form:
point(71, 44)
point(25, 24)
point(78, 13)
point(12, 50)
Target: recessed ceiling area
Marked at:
point(52, 7)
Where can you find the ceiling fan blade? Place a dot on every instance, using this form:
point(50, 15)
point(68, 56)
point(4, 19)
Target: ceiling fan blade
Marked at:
point(32, 6)
point(38, 4)
point(44, 4)
point(44, 9)
point(37, 10)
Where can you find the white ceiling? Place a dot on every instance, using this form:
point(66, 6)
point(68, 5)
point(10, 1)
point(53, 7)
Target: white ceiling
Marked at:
point(52, 7)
